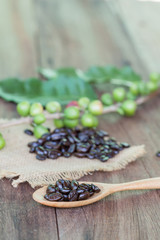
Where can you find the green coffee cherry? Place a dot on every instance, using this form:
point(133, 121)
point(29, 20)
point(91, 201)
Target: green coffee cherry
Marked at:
point(71, 113)
point(95, 107)
point(143, 89)
point(88, 120)
point(23, 108)
point(106, 99)
point(70, 123)
point(53, 107)
point(2, 142)
point(129, 107)
point(152, 86)
point(155, 77)
point(36, 108)
point(134, 89)
point(119, 94)
point(84, 102)
point(59, 123)
point(39, 119)
point(39, 131)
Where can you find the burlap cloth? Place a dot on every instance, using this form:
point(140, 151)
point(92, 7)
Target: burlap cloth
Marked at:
point(16, 161)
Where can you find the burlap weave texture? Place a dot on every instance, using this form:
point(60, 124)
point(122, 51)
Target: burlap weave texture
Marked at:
point(16, 161)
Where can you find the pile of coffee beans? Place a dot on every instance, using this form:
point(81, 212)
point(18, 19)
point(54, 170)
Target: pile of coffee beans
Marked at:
point(65, 190)
point(86, 142)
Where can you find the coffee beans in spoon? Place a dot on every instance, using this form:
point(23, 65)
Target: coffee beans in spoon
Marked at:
point(86, 142)
point(65, 190)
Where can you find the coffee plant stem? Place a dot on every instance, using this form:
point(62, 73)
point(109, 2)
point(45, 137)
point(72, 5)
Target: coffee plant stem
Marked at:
point(113, 108)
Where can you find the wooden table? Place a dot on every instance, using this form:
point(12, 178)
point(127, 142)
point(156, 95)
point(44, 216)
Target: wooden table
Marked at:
point(53, 33)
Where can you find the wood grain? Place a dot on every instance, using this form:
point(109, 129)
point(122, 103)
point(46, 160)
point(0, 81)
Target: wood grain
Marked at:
point(52, 33)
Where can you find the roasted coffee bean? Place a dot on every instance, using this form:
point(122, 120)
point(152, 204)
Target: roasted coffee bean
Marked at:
point(61, 180)
point(41, 157)
point(110, 154)
point(84, 186)
point(91, 193)
point(93, 151)
point(97, 141)
point(65, 190)
point(83, 137)
point(95, 188)
point(82, 147)
point(63, 149)
point(33, 144)
point(115, 147)
point(48, 138)
point(65, 142)
point(158, 154)
point(58, 130)
point(102, 133)
point(45, 152)
point(41, 141)
point(59, 184)
point(63, 134)
point(55, 136)
point(104, 158)
point(89, 187)
point(106, 146)
point(50, 145)
point(53, 154)
point(32, 150)
point(79, 155)
point(45, 135)
point(46, 196)
point(116, 152)
point(73, 195)
point(71, 149)
point(74, 185)
point(67, 183)
point(59, 153)
point(83, 196)
point(66, 154)
point(80, 190)
point(93, 147)
point(65, 197)
point(124, 145)
point(76, 140)
point(28, 132)
point(90, 156)
point(55, 196)
point(70, 139)
point(51, 189)
point(39, 151)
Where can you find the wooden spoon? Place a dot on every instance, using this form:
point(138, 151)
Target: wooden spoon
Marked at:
point(106, 189)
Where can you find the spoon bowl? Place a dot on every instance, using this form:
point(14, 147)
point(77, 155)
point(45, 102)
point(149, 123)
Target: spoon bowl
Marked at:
point(106, 189)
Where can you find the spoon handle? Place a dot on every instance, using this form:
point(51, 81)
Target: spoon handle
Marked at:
point(150, 183)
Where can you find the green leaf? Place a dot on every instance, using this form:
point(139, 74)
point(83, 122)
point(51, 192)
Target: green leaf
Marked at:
point(47, 73)
point(96, 74)
point(68, 71)
point(105, 74)
point(62, 89)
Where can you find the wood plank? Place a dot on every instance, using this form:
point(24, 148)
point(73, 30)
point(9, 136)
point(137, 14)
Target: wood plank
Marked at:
point(80, 34)
point(79, 39)
point(141, 23)
point(20, 216)
point(17, 29)
point(102, 39)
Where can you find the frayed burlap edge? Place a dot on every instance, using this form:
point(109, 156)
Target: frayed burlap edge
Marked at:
point(122, 159)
